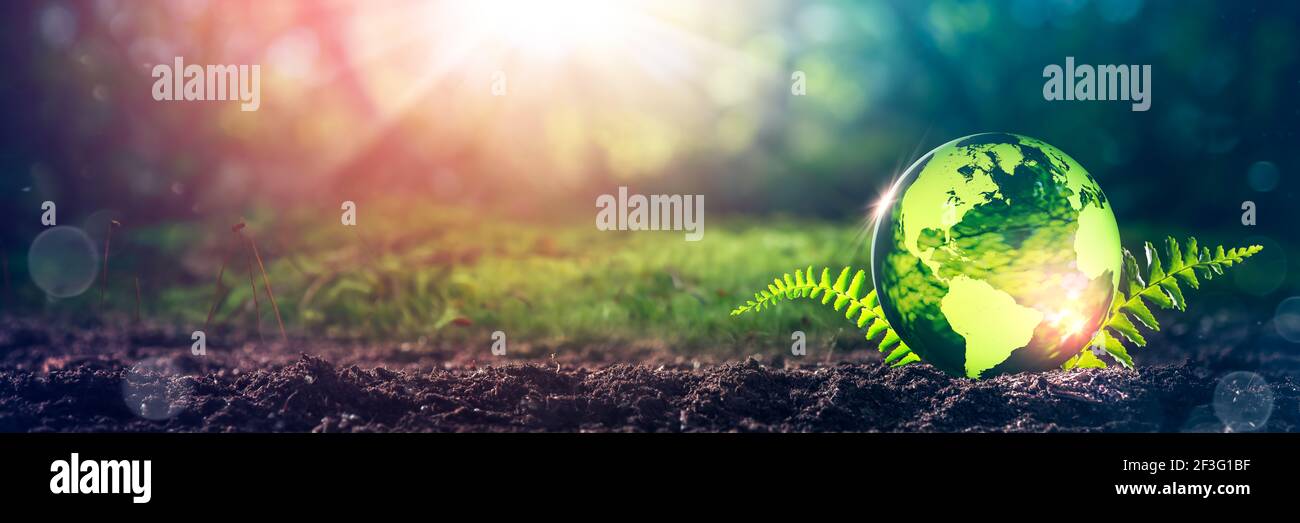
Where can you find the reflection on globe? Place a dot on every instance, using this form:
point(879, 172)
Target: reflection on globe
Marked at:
point(63, 261)
point(998, 253)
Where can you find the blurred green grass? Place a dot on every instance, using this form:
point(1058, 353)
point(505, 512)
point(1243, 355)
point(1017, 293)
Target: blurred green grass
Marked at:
point(449, 274)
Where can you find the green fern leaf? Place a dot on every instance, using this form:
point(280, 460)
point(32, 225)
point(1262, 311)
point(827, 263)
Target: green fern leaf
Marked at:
point(1189, 277)
point(871, 301)
point(854, 306)
point(822, 286)
point(1170, 286)
point(1140, 311)
point(1115, 349)
point(878, 327)
point(1175, 254)
point(1156, 295)
point(890, 339)
point(840, 301)
point(841, 281)
point(846, 295)
point(910, 358)
point(897, 354)
point(1153, 263)
point(1085, 359)
point(1159, 285)
point(856, 286)
point(1121, 324)
point(1131, 274)
point(1191, 254)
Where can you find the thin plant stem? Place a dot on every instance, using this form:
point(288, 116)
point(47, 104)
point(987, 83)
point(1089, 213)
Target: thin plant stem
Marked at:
point(103, 281)
point(216, 295)
point(266, 283)
point(257, 307)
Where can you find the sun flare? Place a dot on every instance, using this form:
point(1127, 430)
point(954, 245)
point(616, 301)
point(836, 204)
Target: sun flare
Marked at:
point(552, 29)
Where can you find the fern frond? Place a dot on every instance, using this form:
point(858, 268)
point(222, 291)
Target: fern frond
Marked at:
point(1085, 359)
point(1156, 283)
point(844, 293)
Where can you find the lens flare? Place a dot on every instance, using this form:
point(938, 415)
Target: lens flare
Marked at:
point(550, 28)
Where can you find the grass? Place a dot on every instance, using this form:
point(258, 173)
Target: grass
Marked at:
point(451, 274)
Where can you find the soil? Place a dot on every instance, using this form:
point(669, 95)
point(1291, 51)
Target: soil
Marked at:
point(146, 379)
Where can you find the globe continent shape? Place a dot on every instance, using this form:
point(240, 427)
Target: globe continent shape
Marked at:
point(996, 253)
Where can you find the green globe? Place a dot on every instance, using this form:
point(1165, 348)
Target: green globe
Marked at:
point(995, 253)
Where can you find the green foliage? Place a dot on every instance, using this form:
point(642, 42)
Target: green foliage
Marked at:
point(1158, 283)
point(844, 293)
point(379, 297)
point(452, 277)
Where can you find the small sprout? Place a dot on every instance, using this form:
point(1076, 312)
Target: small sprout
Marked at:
point(251, 246)
point(266, 281)
point(257, 308)
point(251, 249)
point(217, 290)
point(103, 281)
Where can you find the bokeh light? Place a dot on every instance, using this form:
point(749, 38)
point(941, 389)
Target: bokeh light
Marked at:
point(1286, 319)
point(1263, 176)
point(156, 389)
point(63, 261)
point(1243, 401)
point(58, 25)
